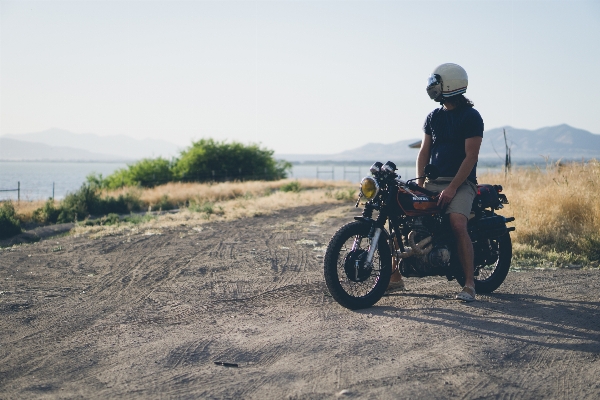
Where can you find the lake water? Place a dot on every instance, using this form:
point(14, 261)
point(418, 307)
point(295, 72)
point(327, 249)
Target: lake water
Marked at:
point(36, 178)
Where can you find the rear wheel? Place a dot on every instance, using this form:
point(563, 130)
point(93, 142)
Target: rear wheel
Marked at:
point(489, 277)
point(351, 281)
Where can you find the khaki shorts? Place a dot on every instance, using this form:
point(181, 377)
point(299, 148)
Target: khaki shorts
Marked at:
point(462, 201)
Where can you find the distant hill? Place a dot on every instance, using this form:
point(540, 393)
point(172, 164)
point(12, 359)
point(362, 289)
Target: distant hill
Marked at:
point(18, 150)
point(116, 147)
point(556, 142)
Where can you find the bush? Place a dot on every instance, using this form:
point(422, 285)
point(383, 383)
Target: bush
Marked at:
point(122, 204)
point(293, 186)
point(85, 201)
point(348, 194)
point(146, 172)
point(95, 180)
point(47, 213)
point(79, 204)
point(209, 160)
point(110, 219)
point(9, 223)
point(204, 160)
point(138, 219)
point(164, 203)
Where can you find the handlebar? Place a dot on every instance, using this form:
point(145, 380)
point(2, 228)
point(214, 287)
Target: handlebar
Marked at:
point(414, 186)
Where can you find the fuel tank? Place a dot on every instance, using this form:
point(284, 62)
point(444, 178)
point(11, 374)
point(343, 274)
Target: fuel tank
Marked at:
point(413, 206)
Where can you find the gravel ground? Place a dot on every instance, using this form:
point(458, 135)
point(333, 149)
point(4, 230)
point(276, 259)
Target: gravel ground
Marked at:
point(240, 310)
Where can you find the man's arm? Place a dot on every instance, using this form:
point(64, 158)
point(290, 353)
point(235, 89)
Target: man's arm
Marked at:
point(423, 158)
point(472, 146)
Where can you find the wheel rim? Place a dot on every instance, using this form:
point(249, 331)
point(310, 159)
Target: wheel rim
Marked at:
point(485, 272)
point(350, 286)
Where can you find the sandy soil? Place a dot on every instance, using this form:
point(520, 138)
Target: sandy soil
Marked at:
point(151, 315)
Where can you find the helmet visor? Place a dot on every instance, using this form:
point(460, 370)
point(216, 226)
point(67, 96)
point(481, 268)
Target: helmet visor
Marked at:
point(433, 80)
point(434, 86)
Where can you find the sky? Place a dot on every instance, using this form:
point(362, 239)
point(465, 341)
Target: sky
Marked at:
point(312, 77)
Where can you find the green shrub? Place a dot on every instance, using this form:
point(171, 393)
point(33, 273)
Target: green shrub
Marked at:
point(204, 160)
point(95, 180)
point(207, 160)
point(347, 194)
point(138, 219)
point(85, 201)
point(110, 219)
point(147, 172)
point(48, 213)
point(122, 204)
point(9, 223)
point(293, 186)
point(207, 208)
point(79, 204)
point(164, 203)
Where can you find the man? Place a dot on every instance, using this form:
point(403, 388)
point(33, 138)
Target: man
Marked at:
point(453, 135)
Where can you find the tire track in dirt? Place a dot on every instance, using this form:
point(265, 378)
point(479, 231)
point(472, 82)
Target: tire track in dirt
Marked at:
point(158, 333)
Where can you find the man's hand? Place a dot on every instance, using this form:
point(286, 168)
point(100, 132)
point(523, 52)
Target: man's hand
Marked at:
point(446, 196)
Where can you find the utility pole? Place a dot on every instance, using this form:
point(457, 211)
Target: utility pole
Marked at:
point(507, 157)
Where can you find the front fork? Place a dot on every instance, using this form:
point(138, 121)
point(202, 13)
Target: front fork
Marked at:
point(373, 246)
point(374, 234)
point(371, 252)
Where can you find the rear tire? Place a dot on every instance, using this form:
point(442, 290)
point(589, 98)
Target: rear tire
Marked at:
point(490, 277)
point(366, 286)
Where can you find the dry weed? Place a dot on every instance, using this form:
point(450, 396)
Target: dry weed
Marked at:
point(25, 209)
point(240, 207)
point(183, 193)
point(557, 210)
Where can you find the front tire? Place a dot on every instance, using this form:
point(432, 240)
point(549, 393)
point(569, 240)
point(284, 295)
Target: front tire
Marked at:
point(351, 283)
point(489, 277)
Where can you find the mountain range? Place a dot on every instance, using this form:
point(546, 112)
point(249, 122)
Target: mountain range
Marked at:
point(59, 144)
point(556, 142)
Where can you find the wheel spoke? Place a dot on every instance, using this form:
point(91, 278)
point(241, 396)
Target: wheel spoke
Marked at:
point(486, 271)
point(353, 288)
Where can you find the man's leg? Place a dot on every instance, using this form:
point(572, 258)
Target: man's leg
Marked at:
point(396, 281)
point(464, 246)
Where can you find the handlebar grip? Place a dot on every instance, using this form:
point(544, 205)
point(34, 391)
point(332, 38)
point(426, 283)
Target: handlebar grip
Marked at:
point(414, 186)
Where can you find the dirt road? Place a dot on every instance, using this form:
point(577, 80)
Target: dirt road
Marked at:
point(149, 315)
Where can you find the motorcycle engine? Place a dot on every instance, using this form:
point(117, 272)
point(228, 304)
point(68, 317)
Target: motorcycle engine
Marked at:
point(434, 262)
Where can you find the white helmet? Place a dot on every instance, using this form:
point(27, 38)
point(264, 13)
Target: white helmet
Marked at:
point(447, 80)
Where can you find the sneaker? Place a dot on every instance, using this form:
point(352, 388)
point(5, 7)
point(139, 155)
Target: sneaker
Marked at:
point(467, 294)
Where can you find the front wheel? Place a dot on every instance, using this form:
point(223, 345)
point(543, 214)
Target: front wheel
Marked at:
point(489, 277)
point(351, 281)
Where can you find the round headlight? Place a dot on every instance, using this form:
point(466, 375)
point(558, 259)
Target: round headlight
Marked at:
point(369, 187)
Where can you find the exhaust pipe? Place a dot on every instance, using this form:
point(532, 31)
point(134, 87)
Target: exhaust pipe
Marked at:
point(416, 249)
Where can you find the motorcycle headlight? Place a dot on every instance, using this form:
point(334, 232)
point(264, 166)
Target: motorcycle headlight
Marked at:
point(369, 187)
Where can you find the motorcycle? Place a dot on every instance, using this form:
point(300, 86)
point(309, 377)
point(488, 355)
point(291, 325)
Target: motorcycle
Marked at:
point(418, 242)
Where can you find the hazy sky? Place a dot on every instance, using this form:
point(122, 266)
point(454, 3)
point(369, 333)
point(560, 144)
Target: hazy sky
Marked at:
point(296, 76)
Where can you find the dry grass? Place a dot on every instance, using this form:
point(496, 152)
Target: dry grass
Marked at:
point(240, 207)
point(557, 211)
point(25, 209)
point(557, 208)
point(175, 195)
point(184, 193)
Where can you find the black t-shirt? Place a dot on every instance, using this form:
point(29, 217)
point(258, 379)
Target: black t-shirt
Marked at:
point(448, 130)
